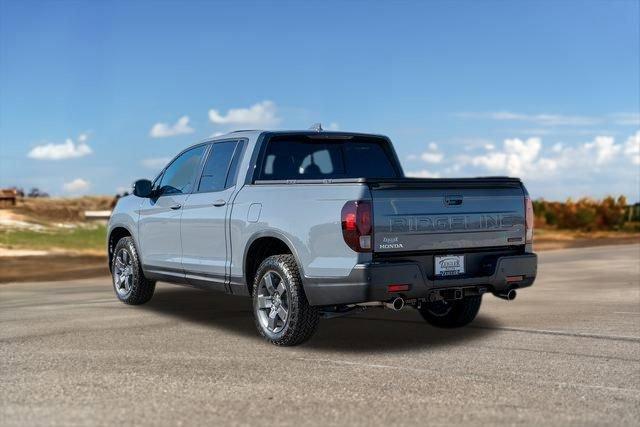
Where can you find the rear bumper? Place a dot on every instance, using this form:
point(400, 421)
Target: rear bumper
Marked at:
point(368, 282)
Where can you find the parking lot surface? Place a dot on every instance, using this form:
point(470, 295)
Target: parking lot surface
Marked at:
point(565, 352)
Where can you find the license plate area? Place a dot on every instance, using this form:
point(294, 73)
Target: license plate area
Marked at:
point(448, 265)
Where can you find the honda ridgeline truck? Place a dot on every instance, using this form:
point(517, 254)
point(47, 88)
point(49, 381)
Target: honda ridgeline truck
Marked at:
point(314, 224)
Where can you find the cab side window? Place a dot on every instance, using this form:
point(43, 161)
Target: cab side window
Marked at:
point(179, 176)
point(216, 169)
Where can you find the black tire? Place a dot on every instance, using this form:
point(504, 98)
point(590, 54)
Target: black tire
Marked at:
point(136, 289)
point(451, 314)
point(301, 319)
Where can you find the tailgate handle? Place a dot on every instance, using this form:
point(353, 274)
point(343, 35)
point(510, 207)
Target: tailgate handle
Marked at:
point(453, 200)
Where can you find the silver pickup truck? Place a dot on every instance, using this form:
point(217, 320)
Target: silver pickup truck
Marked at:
point(320, 224)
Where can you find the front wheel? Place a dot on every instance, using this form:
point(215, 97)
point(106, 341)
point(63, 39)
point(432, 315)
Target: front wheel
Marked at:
point(282, 313)
point(451, 314)
point(129, 282)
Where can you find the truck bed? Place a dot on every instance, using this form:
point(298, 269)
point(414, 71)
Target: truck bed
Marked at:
point(427, 214)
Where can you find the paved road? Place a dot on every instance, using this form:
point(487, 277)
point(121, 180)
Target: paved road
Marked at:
point(566, 352)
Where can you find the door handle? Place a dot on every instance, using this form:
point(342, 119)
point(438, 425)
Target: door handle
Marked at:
point(175, 207)
point(219, 202)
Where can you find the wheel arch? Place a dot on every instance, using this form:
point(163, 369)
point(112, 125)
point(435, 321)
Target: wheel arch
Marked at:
point(261, 246)
point(115, 234)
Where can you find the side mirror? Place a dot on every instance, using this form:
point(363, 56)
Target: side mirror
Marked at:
point(142, 188)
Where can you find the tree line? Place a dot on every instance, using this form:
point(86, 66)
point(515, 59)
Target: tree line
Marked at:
point(588, 214)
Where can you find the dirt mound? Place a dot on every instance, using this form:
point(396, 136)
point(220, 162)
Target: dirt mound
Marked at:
point(62, 209)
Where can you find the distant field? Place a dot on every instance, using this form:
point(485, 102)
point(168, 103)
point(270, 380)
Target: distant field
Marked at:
point(548, 239)
point(54, 224)
point(74, 239)
point(91, 238)
point(85, 252)
point(58, 224)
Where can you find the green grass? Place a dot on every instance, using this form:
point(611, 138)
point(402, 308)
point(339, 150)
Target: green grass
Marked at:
point(77, 239)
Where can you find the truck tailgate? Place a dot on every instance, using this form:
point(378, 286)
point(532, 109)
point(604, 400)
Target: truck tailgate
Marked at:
point(433, 215)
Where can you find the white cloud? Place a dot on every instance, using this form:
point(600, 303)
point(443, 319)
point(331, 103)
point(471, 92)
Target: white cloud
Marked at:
point(515, 157)
point(604, 148)
point(423, 173)
point(66, 150)
point(632, 148)
point(262, 114)
point(164, 130)
point(595, 168)
point(547, 119)
point(76, 186)
point(155, 162)
point(538, 131)
point(495, 162)
point(432, 155)
point(632, 119)
point(525, 158)
point(542, 119)
point(333, 126)
point(593, 156)
point(471, 143)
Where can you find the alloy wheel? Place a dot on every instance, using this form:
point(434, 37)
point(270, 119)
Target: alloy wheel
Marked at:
point(123, 272)
point(273, 302)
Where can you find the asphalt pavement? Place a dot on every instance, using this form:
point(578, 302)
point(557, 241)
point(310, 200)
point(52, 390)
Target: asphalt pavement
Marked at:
point(565, 352)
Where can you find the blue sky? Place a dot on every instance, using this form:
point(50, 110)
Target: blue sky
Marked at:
point(94, 94)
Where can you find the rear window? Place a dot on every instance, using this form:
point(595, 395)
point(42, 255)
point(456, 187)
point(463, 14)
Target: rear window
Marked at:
point(300, 157)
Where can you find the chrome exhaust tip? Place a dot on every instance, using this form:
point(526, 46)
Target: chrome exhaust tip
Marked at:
point(397, 304)
point(509, 295)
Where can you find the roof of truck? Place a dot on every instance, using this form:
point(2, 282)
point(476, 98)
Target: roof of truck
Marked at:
point(249, 133)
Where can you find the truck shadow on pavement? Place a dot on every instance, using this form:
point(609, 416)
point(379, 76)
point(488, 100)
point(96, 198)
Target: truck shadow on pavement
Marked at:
point(370, 331)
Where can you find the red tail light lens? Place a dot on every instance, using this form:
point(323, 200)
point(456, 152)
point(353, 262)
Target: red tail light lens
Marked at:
point(528, 208)
point(357, 225)
point(397, 288)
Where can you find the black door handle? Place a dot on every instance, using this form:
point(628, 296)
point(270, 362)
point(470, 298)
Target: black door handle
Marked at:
point(219, 202)
point(175, 207)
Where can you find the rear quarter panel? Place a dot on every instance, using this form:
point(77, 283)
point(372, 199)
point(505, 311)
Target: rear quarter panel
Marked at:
point(305, 216)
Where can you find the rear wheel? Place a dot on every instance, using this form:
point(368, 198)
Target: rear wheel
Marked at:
point(451, 314)
point(282, 313)
point(129, 282)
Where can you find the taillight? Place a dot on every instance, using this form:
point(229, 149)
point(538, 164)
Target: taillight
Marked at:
point(528, 208)
point(357, 225)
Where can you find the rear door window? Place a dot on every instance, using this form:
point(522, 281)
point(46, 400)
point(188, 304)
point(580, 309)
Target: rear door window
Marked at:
point(216, 169)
